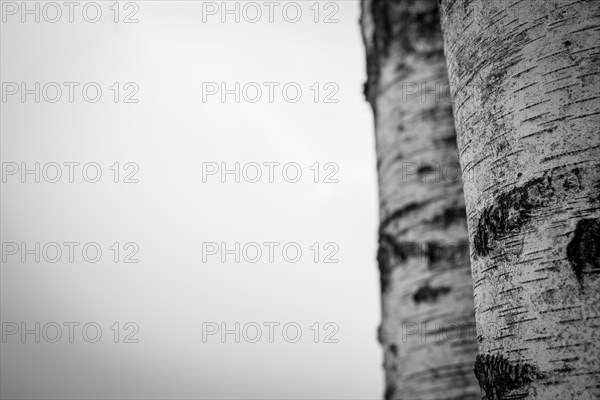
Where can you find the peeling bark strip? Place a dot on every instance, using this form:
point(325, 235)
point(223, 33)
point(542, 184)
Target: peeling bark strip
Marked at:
point(583, 251)
point(512, 210)
point(497, 376)
point(423, 233)
point(524, 78)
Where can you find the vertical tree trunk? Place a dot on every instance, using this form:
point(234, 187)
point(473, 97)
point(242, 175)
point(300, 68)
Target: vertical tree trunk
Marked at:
point(525, 82)
point(427, 328)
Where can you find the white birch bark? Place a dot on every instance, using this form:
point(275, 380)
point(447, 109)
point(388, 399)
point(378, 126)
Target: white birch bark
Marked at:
point(427, 330)
point(525, 80)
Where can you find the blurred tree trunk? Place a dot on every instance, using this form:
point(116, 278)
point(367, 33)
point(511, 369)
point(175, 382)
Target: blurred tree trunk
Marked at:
point(427, 330)
point(525, 80)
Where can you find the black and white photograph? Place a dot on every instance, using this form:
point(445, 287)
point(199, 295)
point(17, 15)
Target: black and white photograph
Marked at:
point(300, 200)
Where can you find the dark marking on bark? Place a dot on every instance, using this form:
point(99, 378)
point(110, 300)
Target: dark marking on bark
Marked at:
point(400, 212)
point(393, 349)
point(430, 294)
point(450, 252)
point(366, 86)
point(384, 264)
point(424, 169)
point(390, 255)
point(497, 376)
point(447, 140)
point(390, 391)
point(449, 216)
point(399, 157)
point(510, 211)
point(583, 251)
point(395, 248)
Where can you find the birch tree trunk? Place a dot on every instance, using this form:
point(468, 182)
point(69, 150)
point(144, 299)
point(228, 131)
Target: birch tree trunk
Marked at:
point(427, 330)
point(525, 82)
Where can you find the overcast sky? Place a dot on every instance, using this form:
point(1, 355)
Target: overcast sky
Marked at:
point(173, 62)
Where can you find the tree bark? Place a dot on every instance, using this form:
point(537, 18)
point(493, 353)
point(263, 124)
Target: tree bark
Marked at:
point(427, 330)
point(525, 83)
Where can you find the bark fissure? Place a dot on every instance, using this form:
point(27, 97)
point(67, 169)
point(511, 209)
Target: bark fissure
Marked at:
point(512, 210)
point(498, 377)
point(583, 251)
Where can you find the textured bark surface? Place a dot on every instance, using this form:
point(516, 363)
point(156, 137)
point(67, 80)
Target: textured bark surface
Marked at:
point(427, 330)
point(525, 83)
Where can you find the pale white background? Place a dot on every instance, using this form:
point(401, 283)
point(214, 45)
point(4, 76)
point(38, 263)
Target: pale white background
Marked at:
point(170, 212)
